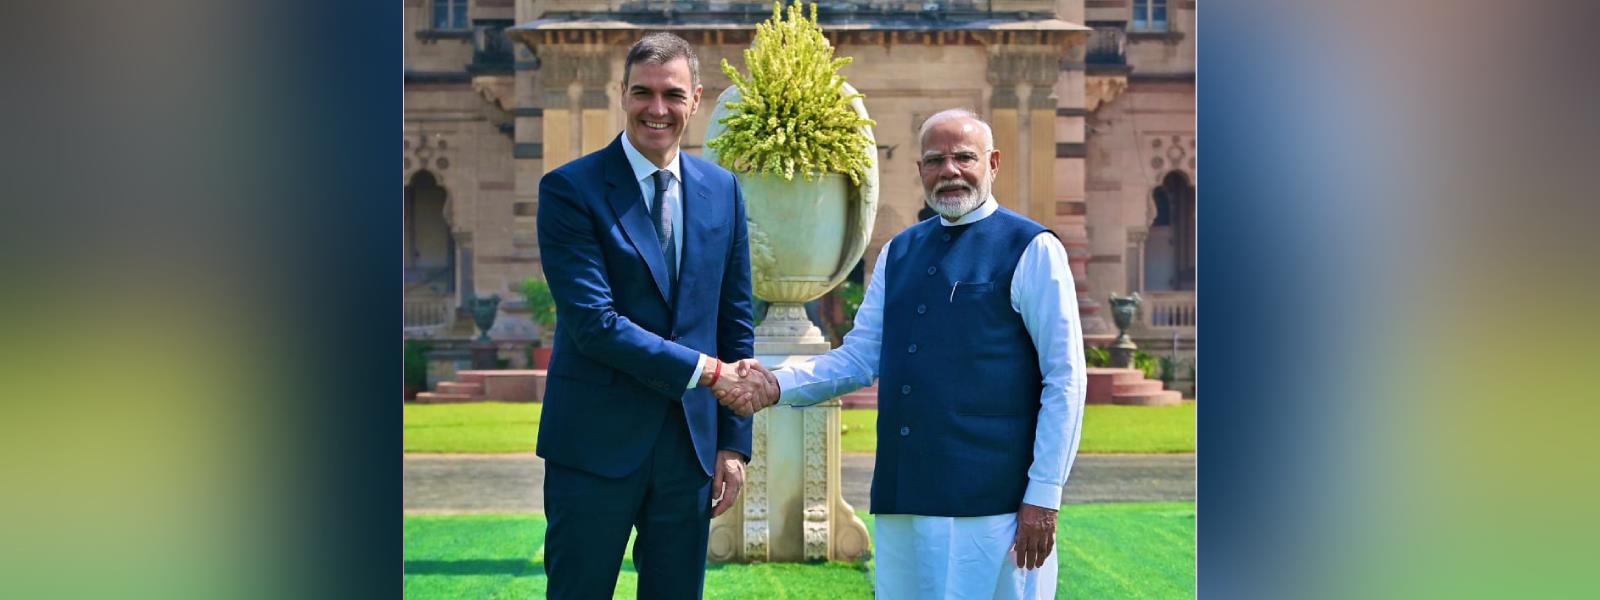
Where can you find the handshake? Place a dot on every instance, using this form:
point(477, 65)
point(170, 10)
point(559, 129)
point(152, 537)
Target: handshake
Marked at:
point(744, 387)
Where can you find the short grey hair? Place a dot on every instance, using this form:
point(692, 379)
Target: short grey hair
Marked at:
point(957, 113)
point(658, 49)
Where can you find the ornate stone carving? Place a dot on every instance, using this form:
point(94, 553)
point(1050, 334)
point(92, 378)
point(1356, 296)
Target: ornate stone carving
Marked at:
point(1170, 151)
point(595, 69)
point(1101, 90)
point(816, 483)
point(763, 263)
point(1037, 66)
point(788, 322)
point(426, 150)
point(558, 68)
point(755, 493)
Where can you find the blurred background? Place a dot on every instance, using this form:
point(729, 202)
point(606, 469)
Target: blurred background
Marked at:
point(200, 277)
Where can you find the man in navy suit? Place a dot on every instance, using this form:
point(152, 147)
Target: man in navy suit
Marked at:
point(646, 253)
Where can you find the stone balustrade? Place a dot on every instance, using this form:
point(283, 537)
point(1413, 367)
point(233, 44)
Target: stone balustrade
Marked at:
point(426, 312)
point(1166, 312)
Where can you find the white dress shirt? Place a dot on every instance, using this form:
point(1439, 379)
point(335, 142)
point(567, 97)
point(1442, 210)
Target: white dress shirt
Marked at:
point(643, 172)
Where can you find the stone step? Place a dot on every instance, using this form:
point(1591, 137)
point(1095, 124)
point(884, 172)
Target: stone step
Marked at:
point(458, 387)
point(1161, 398)
point(1137, 387)
point(440, 398)
point(1102, 382)
point(508, 385)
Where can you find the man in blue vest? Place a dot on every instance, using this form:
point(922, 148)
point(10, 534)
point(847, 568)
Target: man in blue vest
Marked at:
point(647, 257)
point(970, 322)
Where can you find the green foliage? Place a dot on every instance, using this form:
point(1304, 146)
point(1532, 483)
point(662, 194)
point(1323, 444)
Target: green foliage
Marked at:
point(793, 114)
point(541, 304)
point(1152, 366)
point(1172, 369)
point(850, 296)
point(1143, 361)
point(416, 363)
point(853, 294)
point(1097, 356)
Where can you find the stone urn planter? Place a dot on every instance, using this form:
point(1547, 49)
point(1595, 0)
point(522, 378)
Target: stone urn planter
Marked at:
point(805, 236)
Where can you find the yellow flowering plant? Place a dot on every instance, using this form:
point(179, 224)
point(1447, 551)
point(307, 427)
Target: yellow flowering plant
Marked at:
point(793, 114)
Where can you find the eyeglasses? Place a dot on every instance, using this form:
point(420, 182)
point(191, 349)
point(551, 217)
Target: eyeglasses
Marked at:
point(963, 160)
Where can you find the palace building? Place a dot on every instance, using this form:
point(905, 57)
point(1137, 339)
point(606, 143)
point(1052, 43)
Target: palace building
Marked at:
point(1092, 103)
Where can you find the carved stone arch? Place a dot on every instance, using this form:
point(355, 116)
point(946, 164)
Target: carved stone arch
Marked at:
point(1170, 225)
point(430, 243)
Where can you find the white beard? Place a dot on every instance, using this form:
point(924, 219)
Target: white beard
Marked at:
point(955, 208)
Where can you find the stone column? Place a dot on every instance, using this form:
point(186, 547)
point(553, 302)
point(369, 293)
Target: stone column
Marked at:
point(527, 153)
point(558, 70)
point(793, 507)
point(1030, 141)
point(462, 325)
point(1040, 71)
point(1005, 119)
point(1067, 212)
point(594, 74)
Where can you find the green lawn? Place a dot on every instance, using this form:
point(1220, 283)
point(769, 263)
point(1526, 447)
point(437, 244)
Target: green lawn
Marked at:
point(479, 427)
point(494, 427)
point(1140, 550)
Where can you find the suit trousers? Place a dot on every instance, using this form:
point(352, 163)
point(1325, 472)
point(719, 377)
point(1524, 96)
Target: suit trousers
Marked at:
point(668, 500)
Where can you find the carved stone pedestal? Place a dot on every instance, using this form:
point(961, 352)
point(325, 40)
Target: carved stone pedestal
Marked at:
point(793, 506)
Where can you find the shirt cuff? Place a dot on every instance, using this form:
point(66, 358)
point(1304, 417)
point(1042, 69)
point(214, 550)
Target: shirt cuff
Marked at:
point(699, 365)
point(1043, 495)
point(785, 379)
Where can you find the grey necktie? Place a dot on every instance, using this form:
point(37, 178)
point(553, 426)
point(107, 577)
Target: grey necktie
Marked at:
point(663, 218)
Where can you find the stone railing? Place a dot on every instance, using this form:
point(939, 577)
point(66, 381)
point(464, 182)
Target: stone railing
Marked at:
point(491, 49)
point(426, 312)
point(1167, 312)
point(1107, 46)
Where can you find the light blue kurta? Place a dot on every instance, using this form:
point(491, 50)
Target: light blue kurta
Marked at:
point(969, 557)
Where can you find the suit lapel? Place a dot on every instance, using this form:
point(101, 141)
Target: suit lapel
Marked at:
point(628, 204)
point(699, 216)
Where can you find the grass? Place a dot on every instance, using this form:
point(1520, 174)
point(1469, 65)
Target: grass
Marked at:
point(481, 427)
point(495, 427)
point(1137, 550)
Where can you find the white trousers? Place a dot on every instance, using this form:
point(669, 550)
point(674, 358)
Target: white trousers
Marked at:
point(945, 558)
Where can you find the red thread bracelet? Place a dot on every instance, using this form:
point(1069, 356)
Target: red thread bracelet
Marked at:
point(715, 374)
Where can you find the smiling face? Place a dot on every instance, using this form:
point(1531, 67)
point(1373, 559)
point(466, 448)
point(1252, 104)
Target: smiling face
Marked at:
point(659, 99)
point(957, 167)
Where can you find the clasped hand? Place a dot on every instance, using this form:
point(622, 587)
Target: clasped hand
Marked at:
point(746, 387)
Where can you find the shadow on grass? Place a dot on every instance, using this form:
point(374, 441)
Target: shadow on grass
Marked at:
point(513, 567)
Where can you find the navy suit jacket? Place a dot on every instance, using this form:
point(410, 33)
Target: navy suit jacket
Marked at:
point(624, 350)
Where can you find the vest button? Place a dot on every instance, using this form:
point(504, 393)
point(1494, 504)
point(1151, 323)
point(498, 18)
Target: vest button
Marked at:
point(945, 237)
point(905, 431)
point(912, 349)
point(905, 389)
point(922, 308)
point(932, 270)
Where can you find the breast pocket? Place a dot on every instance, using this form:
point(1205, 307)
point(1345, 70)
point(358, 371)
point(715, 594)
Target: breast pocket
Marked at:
point(964, 292)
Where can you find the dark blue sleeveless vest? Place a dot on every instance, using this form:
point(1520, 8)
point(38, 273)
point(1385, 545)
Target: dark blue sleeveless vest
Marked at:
point(959, 378)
